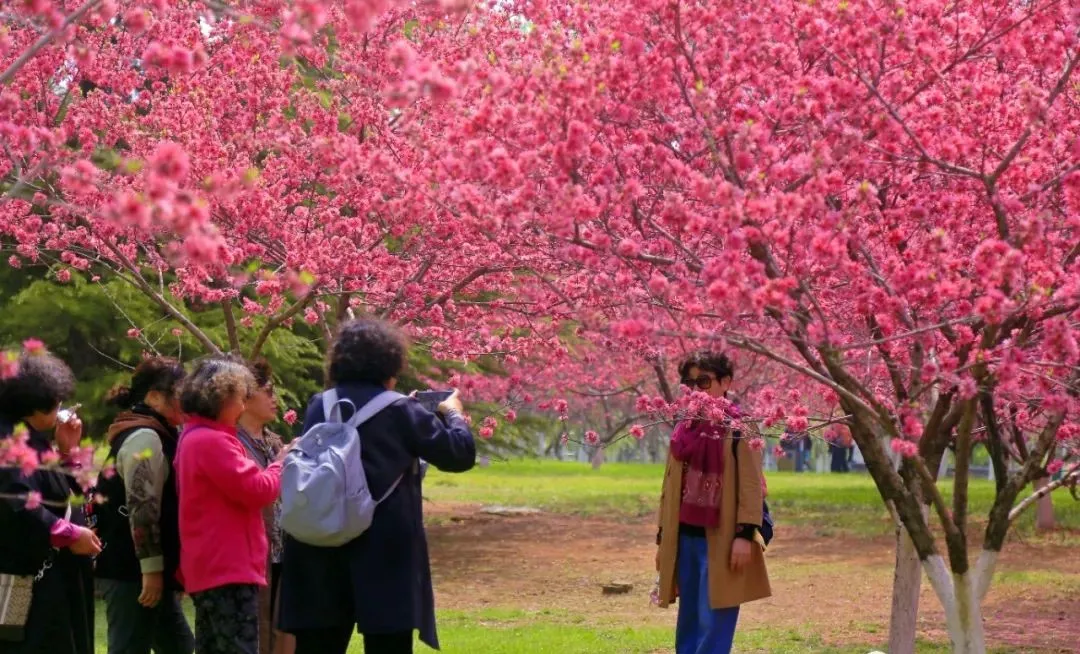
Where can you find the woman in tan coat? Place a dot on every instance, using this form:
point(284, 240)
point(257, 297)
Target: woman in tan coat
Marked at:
point(710, 552)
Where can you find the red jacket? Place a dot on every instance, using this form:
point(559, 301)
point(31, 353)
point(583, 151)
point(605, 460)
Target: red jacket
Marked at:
point(222, 494)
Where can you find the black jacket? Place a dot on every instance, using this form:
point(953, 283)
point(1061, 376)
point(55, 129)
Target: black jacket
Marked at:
point(62, 611)
point(119, 560)
point(381, 581)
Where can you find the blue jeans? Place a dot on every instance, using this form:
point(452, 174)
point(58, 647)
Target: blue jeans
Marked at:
point(701, 629)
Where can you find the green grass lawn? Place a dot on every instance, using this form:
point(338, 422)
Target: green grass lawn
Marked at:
point(510, 631)
point(830, 504)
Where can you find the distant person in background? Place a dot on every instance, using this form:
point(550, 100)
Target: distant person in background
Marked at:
point(378, 584)
point(263, 447)
point(710, 554)
point(223, 495)
point(42, 533)
point(139, 519)
point(797, 445)
point(841, 450)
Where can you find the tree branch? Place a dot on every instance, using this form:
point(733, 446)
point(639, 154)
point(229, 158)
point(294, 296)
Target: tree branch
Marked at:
point(460, 286)
point(149, 291)
point(959, 558)
point(1062, 82)
point(230, 325)
point(416, 277)
point(661, 379)
point(994, 443)
point(1072, 476)
point(45, 40)
point(275, 321)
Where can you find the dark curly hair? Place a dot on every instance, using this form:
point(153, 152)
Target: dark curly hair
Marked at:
point(708, 361)
point(41, 384)
point(263, 372)
point(214, 381)
point(366, 351)
point(162, 374)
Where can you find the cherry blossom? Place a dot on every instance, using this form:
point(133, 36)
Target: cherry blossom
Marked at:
point(873, 205)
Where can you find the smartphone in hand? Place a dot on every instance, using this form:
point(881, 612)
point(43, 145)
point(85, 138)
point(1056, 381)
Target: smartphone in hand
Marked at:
point(67, 414)
point(431, 400)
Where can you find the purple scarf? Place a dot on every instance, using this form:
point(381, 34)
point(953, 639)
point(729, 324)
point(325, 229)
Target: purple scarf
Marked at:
point(699, 445)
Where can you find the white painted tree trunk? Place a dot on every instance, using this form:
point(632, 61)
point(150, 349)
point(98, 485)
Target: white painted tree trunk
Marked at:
point(984, 573)
point(907, 582)
point(969, 606)
point(1044, 507)
point(961, 598)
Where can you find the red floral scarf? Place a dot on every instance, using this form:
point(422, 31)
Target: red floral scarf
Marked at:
point(699, 445)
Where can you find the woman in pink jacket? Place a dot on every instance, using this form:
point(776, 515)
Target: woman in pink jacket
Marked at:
point(223, 493)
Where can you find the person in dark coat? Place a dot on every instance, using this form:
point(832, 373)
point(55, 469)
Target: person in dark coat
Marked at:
point(378, 584)
point(42, 532)
point(841, 449)
point(138, 519)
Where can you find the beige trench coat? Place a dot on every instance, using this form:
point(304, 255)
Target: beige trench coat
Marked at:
point(740, 503)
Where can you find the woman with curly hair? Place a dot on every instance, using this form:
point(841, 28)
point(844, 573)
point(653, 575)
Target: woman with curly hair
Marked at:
point(139, 516)
point(43, 536)
point(709, 551)
point(378, 584)
point(224, 493)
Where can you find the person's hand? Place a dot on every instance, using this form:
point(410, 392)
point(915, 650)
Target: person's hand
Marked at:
point(288, 446)
point(451, 404)
point(86, 543)
point(152, 585)
point(68, 435)
point(740, 554)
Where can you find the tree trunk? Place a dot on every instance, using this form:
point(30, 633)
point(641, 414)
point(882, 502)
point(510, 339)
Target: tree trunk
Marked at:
point(1044, 508)
point(907, 582)
point(962, 603)
point(970, 639)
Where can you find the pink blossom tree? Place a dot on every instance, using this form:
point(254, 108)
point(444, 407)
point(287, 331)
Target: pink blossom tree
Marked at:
point(882, 197)
point(246, 159)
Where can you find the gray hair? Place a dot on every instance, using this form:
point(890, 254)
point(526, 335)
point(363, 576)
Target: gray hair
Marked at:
point(214, 381)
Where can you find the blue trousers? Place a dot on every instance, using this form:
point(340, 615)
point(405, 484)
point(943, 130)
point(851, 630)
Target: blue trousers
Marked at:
point(701, 629)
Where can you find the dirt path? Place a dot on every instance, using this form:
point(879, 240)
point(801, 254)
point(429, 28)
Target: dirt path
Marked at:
point(837, 588)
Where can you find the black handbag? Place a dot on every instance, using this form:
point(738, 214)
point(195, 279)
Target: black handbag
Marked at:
point(17, 594)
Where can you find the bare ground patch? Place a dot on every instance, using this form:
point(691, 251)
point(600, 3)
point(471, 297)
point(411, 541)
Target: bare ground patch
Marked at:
point(837, 587)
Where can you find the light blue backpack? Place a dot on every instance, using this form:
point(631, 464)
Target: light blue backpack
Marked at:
point(325, 499)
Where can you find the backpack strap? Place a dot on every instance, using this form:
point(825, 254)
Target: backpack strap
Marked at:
point(374, 406)
point(367, 412)
point(392, 488)
point(332, 405)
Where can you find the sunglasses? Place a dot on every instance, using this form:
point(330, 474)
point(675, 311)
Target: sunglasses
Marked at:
point(702, 382)
point(268, 389)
